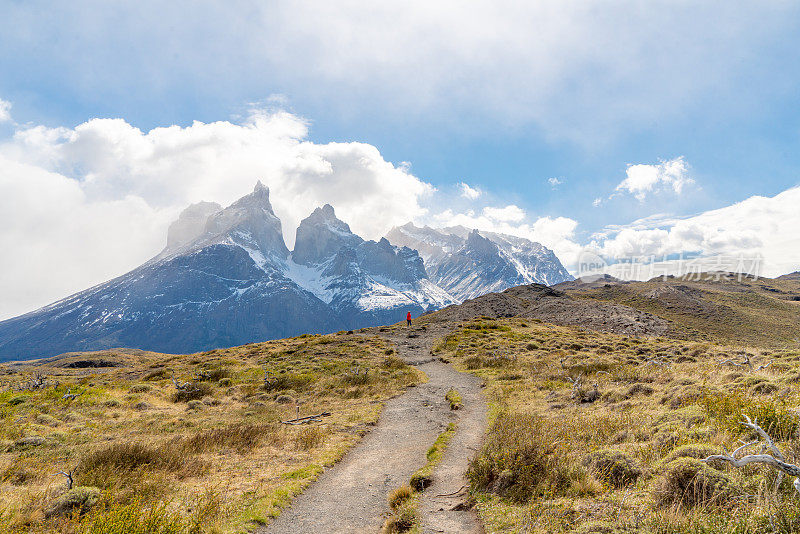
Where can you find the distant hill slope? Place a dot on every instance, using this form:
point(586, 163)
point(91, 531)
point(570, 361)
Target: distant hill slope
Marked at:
point(547, 304)
point(763, 312)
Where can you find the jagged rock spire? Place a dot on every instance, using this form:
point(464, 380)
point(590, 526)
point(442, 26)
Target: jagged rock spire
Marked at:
point(321, 235)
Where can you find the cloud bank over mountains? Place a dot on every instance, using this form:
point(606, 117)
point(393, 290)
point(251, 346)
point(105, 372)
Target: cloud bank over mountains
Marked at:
point(81, 205)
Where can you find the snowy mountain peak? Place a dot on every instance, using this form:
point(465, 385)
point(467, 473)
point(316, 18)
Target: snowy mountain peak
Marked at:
point(467, 263)
point(251, 222)
point(261, 189)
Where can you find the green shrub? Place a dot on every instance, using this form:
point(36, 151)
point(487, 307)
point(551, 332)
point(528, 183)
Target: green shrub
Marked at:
point(217, 374)
point(473, 362)
point(778, 420)
point(137, 518)
point(697, 451)
point(17, 400)
point(454, 398)
point(77, 500)
point(614, 467)
point(690, 482)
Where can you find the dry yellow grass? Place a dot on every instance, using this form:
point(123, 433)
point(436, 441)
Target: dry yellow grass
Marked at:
point(211, 458)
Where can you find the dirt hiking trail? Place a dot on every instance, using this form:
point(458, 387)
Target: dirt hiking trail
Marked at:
point(351, 496)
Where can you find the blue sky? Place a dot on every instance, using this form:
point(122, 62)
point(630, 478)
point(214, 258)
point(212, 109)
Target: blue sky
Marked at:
point(498, 95)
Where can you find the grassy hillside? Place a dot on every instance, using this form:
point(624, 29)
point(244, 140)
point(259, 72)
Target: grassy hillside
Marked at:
point(601, 433)
point(213, 457)
point(763, 312)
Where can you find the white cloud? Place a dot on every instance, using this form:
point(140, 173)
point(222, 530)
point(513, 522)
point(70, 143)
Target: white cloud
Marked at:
point(5, 111)
point(554, 182)
point(642, 179)
point(80, 205)
point(469, 192)
point(510, 213)
point(757, 226)
point(597, 202)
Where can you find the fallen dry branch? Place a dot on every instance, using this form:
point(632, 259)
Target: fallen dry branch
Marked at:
point(307, 419)
point(746, 362)
point(770, 455)
point(72, 396)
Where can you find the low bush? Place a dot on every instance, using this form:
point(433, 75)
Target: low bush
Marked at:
point(295, 381)
point(393, 362)
point(217, 374)
point(473, 362)
point(523, 449)
point(454, 398)
point(613, 467)
point(158, 374)
point(777, 419)
point(403, 519)
point(690, 482)
point(194, 391)
point(75, 501)
point(695, 450)
point(137, 518)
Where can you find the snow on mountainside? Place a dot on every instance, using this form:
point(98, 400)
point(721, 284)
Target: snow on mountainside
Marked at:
point(468, 263)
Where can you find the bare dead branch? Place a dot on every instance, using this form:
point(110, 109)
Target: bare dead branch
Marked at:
point(770, 455)
point(307, 419)
point(72, 396)
point(68, 475)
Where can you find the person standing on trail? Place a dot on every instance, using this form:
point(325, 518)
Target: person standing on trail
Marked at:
point(408, 318)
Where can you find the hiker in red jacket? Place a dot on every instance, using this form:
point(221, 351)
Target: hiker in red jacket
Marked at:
point(408, 318)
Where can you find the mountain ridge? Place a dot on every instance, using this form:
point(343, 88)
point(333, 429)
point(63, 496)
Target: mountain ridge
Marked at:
point(226, 277)
point(468, 263)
